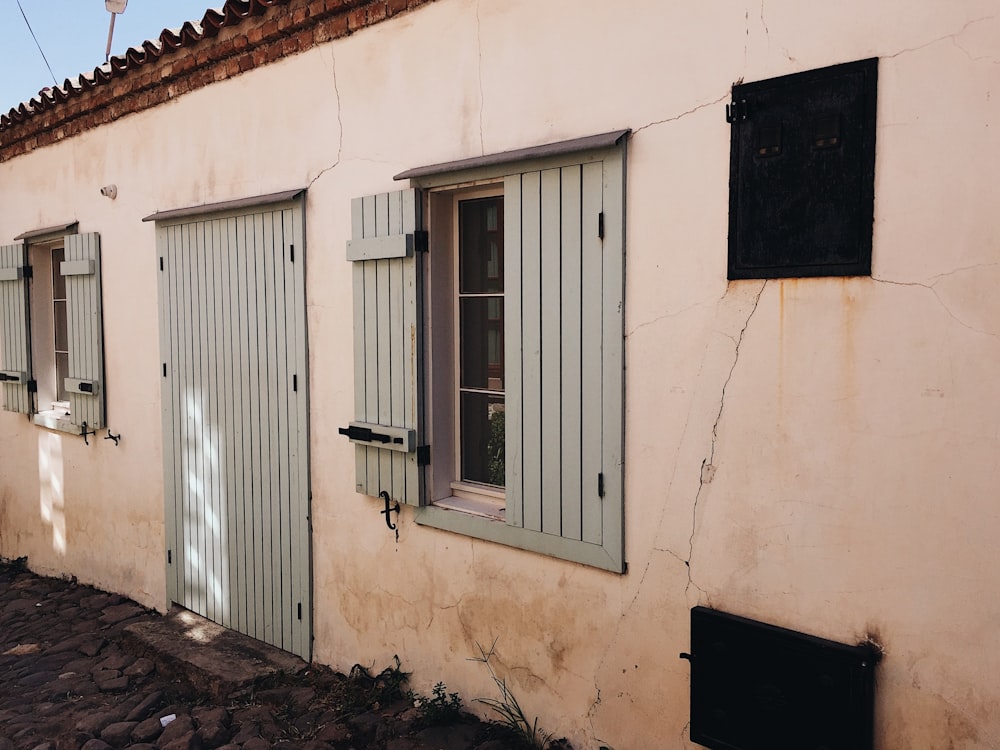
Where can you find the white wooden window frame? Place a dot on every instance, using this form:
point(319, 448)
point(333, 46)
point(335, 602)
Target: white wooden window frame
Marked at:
point(471, 497)
point(474, 514)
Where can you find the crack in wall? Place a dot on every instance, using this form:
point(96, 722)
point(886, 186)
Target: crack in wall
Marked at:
point(708, 463)
point(767, 31)
point(975, 58)
point(340, 123)
point(661, 318)
point(675, 118)
point(941, 302)
point(746, 40)
point(947, 37)
point(482, 96)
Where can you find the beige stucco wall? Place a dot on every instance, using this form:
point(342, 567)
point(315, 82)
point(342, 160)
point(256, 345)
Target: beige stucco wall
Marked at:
point(851, 423)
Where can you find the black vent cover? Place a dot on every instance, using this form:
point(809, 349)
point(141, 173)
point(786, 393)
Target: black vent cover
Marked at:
point(802, 174)
point(759, 687)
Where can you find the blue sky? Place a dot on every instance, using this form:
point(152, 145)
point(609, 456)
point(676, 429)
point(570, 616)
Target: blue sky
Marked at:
point(73, 35)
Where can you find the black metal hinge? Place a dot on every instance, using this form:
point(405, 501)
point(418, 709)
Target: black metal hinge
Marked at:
point(295, 383)
point(423, 455)
point(170, 557)
point(32, 386)
point(161, 262)
point(291, 257)
point(736, 111)
point(600, 484)
point(300, 610)
point(600, 225)
point(164, 369)
point(421, 243)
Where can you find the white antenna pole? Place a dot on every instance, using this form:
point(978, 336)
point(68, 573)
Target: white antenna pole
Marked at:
point(111, 33)
point(114, 7)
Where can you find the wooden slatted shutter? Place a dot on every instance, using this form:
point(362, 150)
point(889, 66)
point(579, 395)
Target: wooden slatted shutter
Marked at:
point(564, 239)
point(15, 356)
point(386, 230)
point(235, 411)
point(85, 384)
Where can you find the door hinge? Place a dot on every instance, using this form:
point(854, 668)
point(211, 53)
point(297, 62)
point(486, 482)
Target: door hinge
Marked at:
point(600, 484)
point(736, 111)
point(423, 455)
point(600, 225)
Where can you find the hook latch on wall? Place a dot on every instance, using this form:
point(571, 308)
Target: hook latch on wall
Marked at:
point(84, 431)
point(389, 509)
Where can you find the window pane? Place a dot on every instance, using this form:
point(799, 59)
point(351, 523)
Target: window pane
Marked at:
point(58, 280)
point(61, 327)
point(480, 227)
point(62, 372)
point(483, 438)
point(482, 343)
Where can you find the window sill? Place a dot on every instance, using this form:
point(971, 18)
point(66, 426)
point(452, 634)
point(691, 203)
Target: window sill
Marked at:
point(459, 520)
point(479, 507)
point(56, 420)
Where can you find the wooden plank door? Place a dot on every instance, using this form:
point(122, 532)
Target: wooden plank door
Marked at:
point(235, 421)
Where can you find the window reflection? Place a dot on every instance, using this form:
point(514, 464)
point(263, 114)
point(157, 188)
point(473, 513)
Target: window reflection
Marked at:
point(481, 343)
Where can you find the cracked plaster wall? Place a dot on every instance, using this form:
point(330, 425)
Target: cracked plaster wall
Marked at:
point(815, 453)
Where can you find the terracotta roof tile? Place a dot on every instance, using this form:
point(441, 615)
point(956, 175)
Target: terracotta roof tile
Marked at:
point(170, 40)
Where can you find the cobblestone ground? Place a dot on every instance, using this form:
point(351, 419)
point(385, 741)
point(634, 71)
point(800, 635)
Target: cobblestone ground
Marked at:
point(67, 682)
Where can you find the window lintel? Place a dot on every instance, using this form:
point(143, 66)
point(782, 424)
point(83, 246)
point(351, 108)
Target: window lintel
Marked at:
point(500, 164)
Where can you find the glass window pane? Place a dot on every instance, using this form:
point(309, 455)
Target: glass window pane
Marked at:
point(58, 280)
point(482, 342)
point(62, 372)
point(61, 327)
point(483, 438)
point(480, 228)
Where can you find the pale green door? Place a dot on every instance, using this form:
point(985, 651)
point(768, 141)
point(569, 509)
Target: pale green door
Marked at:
point(235, 420)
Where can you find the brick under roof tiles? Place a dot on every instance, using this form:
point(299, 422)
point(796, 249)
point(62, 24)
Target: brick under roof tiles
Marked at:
point(231, 14)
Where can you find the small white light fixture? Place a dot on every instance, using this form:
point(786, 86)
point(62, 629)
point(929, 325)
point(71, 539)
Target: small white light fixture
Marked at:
point(110, 191)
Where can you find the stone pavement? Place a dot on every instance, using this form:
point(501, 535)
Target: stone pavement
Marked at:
point(85, 669)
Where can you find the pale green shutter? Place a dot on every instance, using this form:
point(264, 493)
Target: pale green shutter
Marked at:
point(15, 356)
point(85, 383)
point(564, 250)
point(388, 341)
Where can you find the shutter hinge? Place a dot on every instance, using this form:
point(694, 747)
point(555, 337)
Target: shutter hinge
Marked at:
point(164, 369)
point(600, 484)
point(32, 386)
point(170, 557)
point(423, 455)
point(300, 610)
point(161, 262)
point(600, 225)
point(295, 383)
point(291, 257)
point(736, 111)
point(421, 243)
point(28, 272)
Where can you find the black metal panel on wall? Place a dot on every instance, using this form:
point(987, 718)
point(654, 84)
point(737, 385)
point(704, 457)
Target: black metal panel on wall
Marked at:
point(756, 686)
point(802, 166)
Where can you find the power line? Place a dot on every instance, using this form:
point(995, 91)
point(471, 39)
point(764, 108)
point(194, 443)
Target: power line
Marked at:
point(37, 44)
